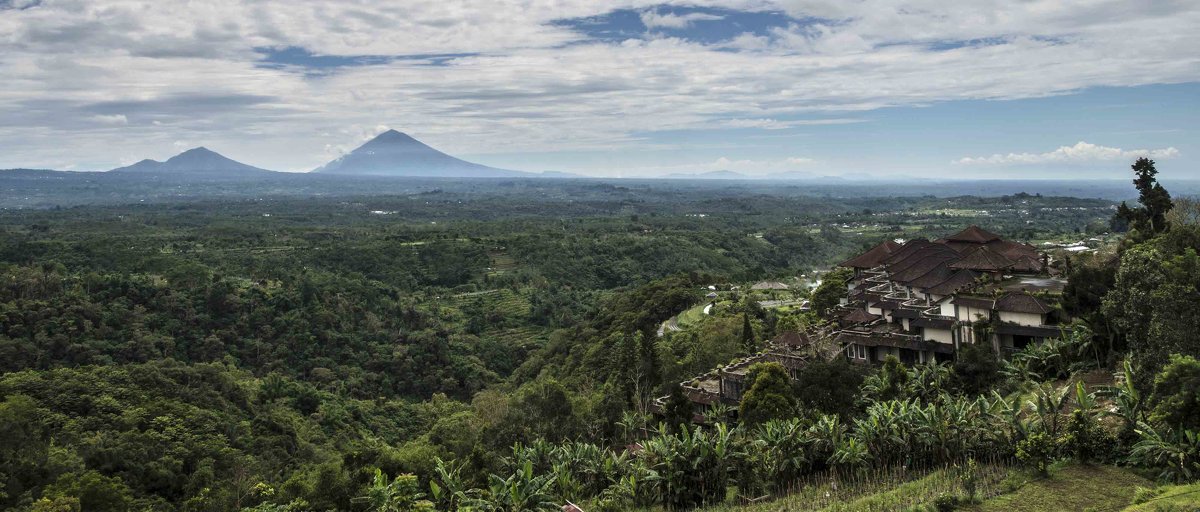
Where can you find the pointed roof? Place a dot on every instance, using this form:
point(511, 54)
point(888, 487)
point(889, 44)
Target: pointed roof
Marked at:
point(954, 283)
point(928, 260)
point(908, 248)
point(983, 259)
point(1022, 302)
point(1025, 263)
point(791, 339)
point(873, 257)
point(860, 316)
point(938, 274)
point(973, 234)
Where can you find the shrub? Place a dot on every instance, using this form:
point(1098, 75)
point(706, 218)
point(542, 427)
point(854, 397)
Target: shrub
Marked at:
point(1085, 439)
point(945, 502)
point(1037, 452)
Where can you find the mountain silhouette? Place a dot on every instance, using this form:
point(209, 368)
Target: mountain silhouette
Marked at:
point(197, 161)
point(393, 153)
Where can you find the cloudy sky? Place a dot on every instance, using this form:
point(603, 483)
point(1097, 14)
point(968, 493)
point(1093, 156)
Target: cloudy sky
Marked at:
point(988, 88)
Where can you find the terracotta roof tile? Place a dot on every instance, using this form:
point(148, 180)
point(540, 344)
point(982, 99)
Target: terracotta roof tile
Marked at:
point(873, 257)
point(983, 259)
point(974, 234)
point(1022, 303)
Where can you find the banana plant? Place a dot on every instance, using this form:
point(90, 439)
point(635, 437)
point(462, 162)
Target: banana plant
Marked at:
point(521, 491)
point(1176, 454)
point(448, 488)
point(1048, 403)
point(1127, 401)
point(398, 495)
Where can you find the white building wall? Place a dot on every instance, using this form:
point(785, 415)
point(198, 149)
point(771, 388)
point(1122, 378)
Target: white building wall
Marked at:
point(939, 335)
point(1022, 318)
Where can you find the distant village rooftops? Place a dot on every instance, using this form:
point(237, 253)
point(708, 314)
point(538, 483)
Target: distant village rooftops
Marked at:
point(769, 285)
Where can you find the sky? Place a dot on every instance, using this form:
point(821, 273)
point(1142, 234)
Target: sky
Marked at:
point(631, 88)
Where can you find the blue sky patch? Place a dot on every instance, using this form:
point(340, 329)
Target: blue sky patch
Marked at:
point(704, 25)
point(294, 56)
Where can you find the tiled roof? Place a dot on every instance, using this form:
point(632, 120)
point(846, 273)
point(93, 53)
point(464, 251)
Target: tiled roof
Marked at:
point(983, 259)
point(973, 234)
point(906, 249)
point(954, 283)
point(937, 275)
point(791, 339)
point(860, 316)
point(923, 266)
point(873, 257)
point(1022, 303)
point(974, 302)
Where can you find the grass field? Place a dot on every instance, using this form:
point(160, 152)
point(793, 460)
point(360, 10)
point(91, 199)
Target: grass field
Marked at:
point(1171, 498)
point(1069, 487)
point(692, 316)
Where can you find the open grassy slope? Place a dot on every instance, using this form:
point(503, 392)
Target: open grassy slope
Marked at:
point(1071, 487)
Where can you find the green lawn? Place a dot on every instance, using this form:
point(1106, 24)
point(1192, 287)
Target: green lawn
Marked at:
point(1070, 487)
point(1171, 498)
point(692, 316)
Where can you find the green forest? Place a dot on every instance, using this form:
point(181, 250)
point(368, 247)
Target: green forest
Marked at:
point(464, 349)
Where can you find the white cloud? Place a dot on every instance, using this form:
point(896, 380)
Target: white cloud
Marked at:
point(114, 119)
point(653, 19)
point(775, 124)
point(1080, 152)
point(191, 70)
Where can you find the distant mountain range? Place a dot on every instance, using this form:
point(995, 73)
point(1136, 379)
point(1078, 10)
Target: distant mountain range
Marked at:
point(395, 154)
point(389, 154)
point(710, 175)
point(392, 153)
point(201, 161)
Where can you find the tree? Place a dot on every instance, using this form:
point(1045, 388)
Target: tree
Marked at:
point(830, 387)
point(94, 491)
point(1176, 397)
point(1151, 217)
point(1153, 303)
point(748, 343)
point(976, 369)
point(678, 413)
point(770, 395)
point(831, 290)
